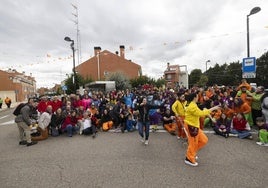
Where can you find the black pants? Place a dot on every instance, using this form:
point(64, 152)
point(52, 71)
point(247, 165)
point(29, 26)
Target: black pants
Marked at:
point(89, 130)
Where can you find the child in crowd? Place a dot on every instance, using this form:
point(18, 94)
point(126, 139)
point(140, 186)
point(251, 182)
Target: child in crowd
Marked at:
point(222, 126)
point(240, 126)
point(263, 131)
point(87, 126)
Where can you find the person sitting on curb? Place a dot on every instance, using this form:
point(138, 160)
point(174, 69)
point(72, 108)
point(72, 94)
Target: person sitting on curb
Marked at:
point(169, 122)
point(263, 131)
point(240, 127)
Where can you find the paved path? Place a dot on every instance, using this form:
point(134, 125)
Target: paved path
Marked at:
point(116, 160)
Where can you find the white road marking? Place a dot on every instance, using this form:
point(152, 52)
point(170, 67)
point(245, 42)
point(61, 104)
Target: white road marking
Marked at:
point(8, 123)
point(4, 116)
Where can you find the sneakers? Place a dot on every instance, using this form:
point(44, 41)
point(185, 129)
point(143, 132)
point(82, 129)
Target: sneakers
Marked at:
point(262, 144)
point(142, 140)
point(32, 143)
point(250, 137)
point(94, 135)
point(146, 142)
point(188, 162)
point(23, 142)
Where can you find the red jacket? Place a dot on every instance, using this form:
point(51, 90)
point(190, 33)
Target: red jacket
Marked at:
point(69, 120)
point(239, 125)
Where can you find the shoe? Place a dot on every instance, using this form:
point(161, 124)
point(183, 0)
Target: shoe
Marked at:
point(187, 161)
point(262, 144)
point(142, 140)
point(23, 142)
point(94, 135)
point(250, 137)
point(234, 135)
point(146, 142)
point(31, 143)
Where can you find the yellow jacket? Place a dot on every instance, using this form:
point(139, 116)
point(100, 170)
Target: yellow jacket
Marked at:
point(178, 108)
point(193, 113)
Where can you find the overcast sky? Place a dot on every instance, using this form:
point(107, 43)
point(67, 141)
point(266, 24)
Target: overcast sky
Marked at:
point(153, 32)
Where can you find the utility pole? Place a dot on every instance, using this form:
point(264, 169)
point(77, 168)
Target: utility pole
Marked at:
point(78, 38)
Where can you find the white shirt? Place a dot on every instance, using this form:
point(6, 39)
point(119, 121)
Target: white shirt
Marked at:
point(44, 120)
point(87, 123)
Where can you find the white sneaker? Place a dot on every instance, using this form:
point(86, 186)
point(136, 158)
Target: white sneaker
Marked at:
point(142, 140)
point(146, 142)
point(262, 144)
point(187, 161)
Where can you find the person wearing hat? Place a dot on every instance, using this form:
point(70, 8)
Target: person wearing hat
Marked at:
point(263, 131)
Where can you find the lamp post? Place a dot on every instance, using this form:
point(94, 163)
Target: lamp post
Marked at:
point(253, 11)
point(208, 61)
point(68, 39)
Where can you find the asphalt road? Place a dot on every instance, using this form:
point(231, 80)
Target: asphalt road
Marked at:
point(121, 160)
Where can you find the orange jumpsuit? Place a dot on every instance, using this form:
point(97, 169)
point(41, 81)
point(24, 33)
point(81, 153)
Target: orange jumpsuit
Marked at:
point(192, 115)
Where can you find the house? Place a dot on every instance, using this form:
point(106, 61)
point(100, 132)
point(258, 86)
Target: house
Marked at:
point(17, 86)
point(175, 77)
point(104, 63)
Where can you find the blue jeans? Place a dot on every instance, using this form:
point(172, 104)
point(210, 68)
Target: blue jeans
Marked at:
point(141, 126)
point(241, 134)
point(70, 130)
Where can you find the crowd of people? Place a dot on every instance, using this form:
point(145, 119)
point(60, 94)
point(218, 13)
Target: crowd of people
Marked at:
point(229, 111)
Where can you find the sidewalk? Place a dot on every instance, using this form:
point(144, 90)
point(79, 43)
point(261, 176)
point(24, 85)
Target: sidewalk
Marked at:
point(13, 105)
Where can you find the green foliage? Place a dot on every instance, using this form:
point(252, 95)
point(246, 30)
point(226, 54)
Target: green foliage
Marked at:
point(194, 77)
point(80, 81)
point(121, 80)
point(142, 80)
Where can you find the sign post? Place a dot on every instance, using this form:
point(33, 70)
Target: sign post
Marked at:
point(249, 67)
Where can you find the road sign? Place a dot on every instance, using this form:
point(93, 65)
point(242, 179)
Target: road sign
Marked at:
point(248, 75)
point(249, 67)
point(249, 64)
point(64, 88)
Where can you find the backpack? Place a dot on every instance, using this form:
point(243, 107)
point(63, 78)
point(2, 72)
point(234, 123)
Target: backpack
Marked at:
point(18, 108)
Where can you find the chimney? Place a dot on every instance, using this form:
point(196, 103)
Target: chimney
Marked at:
point(122, 51)
point(168, 68)
point(97, 50)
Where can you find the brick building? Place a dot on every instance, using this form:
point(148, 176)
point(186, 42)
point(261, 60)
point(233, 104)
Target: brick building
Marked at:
point(17, 86)
point(104, 63)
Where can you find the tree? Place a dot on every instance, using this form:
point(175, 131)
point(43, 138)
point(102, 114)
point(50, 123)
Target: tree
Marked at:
point(121, 80)
point(194, 77)
point(80, 81)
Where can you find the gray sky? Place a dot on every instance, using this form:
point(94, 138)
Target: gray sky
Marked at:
point(153, 32)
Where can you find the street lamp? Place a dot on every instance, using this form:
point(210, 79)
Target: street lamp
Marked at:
point(208, 61)
point(253, 11)
point(68, 39)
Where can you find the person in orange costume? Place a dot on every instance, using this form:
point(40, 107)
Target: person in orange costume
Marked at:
point(191, 121)
point(169, 123)
point(242, 107)
point(178, 108)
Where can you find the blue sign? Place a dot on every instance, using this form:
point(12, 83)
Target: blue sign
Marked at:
point(249, 64)
point(64, 88)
